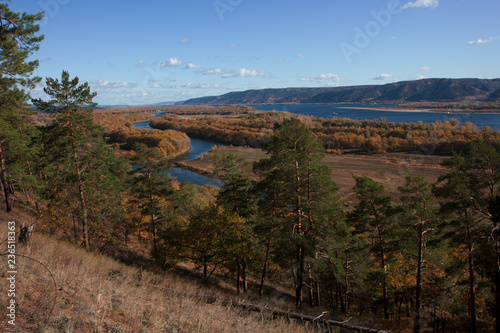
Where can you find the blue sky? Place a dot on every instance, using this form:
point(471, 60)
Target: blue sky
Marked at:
point(144, 52)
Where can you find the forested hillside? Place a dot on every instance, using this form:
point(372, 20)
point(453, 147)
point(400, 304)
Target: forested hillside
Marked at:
point(424, 90)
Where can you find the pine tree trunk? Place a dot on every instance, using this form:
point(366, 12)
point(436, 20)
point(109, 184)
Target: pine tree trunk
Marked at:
point(153, 225)
point(3, 179)
point(419, 279)
point(83, 202)
point(244, 275)
point(472, 292)
point(311, 284)
point(496, 239)
point(346, 281)
point(238, 275)
point(299, 281)
point(384, 267)
point(264, 268)
point(497, 299)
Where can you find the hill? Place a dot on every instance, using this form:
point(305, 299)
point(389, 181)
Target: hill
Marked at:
point(425, 90)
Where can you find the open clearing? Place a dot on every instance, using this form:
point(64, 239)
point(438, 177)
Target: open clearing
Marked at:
point(388, 169)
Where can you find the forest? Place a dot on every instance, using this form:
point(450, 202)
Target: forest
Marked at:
point(95, 182)
point(335, 134)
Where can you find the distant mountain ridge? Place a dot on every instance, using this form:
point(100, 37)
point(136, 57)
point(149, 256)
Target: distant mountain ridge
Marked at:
point(424, 90)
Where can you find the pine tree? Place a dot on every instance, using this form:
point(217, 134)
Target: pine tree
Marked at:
point(471, 190)
point(18, 40)
point(76, 161)
point(152, 186)
point(235, 196)
point(419, 214)
point(373, 216)
point(305, 191)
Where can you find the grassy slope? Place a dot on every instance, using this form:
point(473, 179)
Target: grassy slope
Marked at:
point(94, 293)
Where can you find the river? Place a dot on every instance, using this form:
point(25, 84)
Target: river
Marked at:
point(362, 112)
point(198, 148)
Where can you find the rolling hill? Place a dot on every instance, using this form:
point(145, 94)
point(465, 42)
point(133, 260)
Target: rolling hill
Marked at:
point(424, 90)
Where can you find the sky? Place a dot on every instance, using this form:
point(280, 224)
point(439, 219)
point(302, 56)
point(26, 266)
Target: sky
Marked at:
point(146, 52)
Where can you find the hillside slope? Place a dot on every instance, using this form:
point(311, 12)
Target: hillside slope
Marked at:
point(425, 90)
point(62, 288)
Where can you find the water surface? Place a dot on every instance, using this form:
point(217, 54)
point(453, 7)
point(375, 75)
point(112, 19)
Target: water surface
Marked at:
point(361, 112)
point(198, 148)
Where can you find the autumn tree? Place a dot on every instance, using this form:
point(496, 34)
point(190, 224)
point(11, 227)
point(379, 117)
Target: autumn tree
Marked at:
point(211, 237)
point(19, 39)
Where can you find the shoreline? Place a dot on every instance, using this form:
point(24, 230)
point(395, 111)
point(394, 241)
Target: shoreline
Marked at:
point(384, 109)
point(457, 112)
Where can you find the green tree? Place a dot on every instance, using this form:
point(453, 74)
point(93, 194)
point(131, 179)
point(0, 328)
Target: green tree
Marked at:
point(471, 190)
point(305, 192)
point(77, 162)
point(152, 186)
point(236, 195)
point(373, 216)
point(18, 40)
point(419, 215)
point(269, 220)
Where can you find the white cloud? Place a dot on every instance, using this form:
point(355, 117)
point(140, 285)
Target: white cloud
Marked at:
point(482, 41)
point(421, 4)
point(300, 55)
point(243, 72)
point(192, 85)
point(233, 45)
point(185, 41)
point(322, 78)
point(211, 71)
point(190, 65)
point(140, 63)
point(228, 73)
point(111, 84)
point(425, 69)
point(384, 77)
point(173, 62)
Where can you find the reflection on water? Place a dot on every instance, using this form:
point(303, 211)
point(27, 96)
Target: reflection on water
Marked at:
point(183, 176)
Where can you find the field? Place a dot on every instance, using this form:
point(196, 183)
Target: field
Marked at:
point(388, 169)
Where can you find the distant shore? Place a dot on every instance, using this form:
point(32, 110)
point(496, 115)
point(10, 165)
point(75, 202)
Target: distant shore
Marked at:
point(384, 109)
point(446, 111)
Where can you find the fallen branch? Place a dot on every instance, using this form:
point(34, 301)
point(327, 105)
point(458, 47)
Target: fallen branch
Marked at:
point(320, 320)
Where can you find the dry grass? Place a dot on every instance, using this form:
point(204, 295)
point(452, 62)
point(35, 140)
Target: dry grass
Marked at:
point(94, 293)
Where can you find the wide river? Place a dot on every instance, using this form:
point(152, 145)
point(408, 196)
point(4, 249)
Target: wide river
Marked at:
point(200, 147)
point(362, 112)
